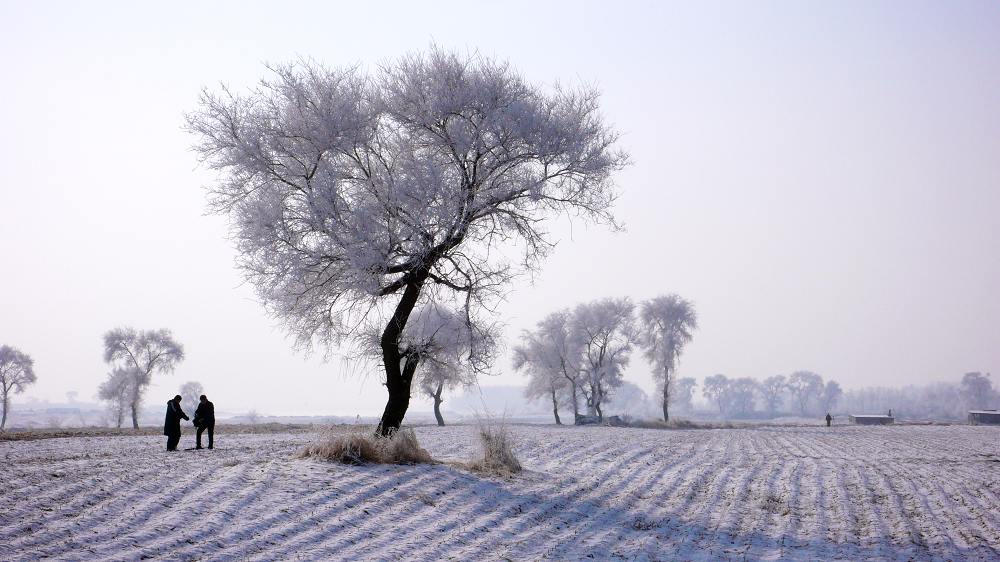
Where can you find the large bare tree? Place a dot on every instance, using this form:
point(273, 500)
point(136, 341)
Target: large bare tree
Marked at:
point(139, 354)
point(354, 195)
point(667, 322)
point(17, 371)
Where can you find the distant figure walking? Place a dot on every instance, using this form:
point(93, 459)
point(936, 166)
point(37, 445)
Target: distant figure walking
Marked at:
point(829, 419)
point(890, 412)
point(172, 423)
point(204, 418)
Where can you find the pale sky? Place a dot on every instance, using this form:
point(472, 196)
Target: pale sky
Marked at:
point(822, 180)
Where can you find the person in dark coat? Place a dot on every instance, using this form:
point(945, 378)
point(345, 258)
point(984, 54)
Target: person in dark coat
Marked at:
point(829, 419)
point(204, 418)
point(172, 423)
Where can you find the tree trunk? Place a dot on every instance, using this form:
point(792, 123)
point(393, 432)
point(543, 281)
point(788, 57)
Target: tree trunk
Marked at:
point(666, 401)
point(576, 402)
point(666, 395)
point(6, 405)
point(397, 380)
point(135, 416)
point(555, 408)
point(437, 404)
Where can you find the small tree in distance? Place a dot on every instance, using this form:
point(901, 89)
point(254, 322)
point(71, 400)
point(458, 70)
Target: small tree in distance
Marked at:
point(715, 388)
point(830, 395)
point(448, 352)
point(355, 197)
point(140, 354)
point(191, 392)
point(667, 322)
point(117, 391)
point(17, 371)
point(805, 386)
point(606, 332)
point(772, 389)
point(683, 393)
point(540, 358)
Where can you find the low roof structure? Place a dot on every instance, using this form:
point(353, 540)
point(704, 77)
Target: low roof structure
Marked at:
point(988, 417)
point(871, 419)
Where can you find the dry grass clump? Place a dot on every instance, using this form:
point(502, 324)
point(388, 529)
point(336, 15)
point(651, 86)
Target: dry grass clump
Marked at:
point(359, 447)
point(497, 447)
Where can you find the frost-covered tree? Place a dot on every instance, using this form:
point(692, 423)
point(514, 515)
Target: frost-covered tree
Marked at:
point(666, 322)
point(772, 389)
point(683, 393)
point(117, 391)
point(977, 390)
point(354, 196)
point(140, 353)
point(17, 371)
point(541, 360)
point(191, 392)
point(830, 395)
point(449, 352)
point(605, 330)
point(805, 386)
point(742, 392)
point(715, 389)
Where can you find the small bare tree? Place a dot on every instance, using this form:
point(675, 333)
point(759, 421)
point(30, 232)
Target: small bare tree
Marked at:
point(683, 393)
point(451, 351)
point(667, 322)
point(830, 395)
point(191, 392)
point(605, 330)
point(805, 386)
point(355, 197)
point(541, 360)
point(140, 354)
point(743, 392)
point(117, 391)
point(772, 389)
point(17, 371)
point(716, 389)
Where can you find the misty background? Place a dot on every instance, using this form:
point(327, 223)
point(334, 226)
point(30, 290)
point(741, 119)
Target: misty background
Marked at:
point(820, 180)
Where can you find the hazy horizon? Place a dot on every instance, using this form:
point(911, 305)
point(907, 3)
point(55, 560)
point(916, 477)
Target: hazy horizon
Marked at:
point(820, 180)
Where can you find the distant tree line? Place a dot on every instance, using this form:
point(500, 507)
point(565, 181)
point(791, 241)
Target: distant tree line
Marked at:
point(577, 356)
point(940, 400)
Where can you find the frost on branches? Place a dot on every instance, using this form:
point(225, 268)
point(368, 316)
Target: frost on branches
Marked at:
point(355, 197)
point(667, 322)
point(17, 371)
point(134, 356)
point(443, 350)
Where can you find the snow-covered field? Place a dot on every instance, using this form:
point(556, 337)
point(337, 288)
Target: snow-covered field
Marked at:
point(885, 493)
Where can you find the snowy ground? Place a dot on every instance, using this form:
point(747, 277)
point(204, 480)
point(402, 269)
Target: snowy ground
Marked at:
point(885, 493)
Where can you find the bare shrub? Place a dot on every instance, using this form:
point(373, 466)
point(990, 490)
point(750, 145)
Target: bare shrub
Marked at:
point(357, 447)
point(497, 447)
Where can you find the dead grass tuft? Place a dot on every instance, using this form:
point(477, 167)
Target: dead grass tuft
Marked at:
point(358, 447)
point(497, 448)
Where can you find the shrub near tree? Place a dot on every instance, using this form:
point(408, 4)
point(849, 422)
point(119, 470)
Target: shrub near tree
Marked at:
point(354, 197)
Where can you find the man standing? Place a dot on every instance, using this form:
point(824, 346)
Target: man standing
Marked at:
point(829, 419)
point(172, 423)
point(204, 418)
